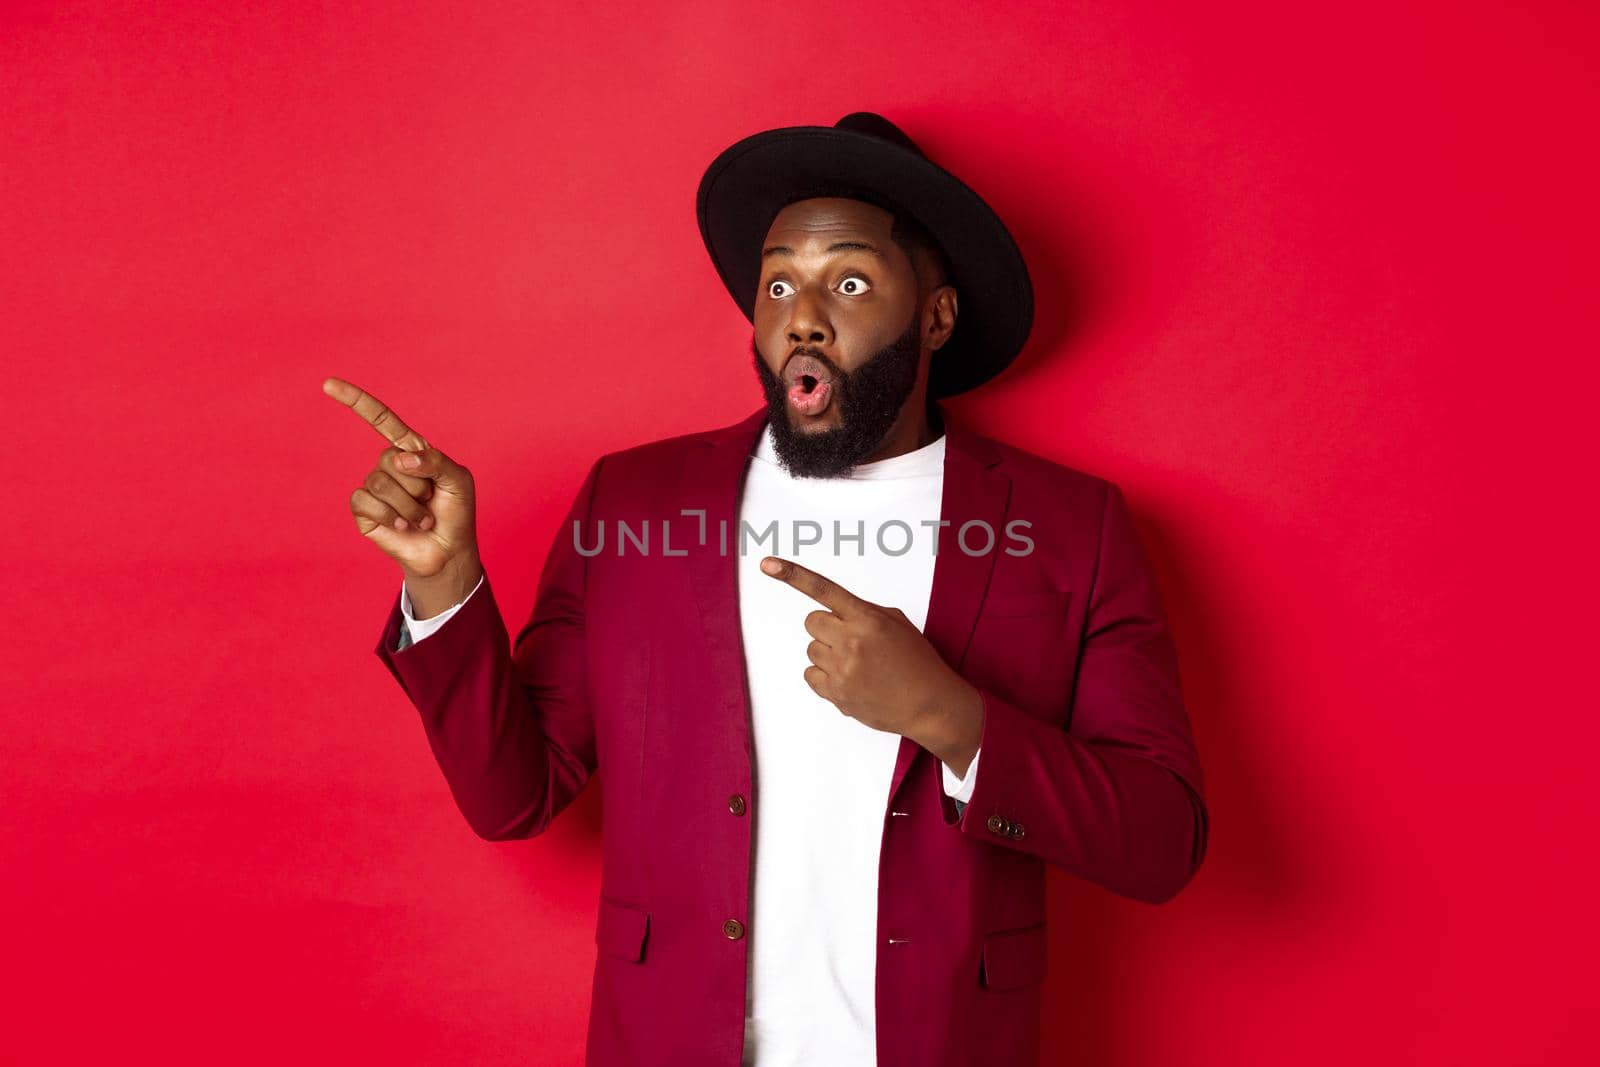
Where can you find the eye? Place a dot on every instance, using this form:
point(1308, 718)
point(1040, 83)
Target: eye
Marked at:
point(771, 293)
point(856, 285)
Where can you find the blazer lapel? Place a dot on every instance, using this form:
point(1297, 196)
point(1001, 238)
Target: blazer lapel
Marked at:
point(974, 492)
point(713, 481)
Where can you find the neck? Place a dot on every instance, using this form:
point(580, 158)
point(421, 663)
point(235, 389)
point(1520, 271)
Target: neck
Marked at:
point(919, 424)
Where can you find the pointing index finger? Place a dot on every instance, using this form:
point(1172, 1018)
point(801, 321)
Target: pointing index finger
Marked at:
point(376, 413)
point(828, 593)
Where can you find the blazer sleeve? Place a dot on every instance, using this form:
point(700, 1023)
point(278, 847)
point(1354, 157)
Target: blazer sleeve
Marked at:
point(1116, 798)
point(510, 724)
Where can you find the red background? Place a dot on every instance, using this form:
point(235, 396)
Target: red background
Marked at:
point(1317, 288)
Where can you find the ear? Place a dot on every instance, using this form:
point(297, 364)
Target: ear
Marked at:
point(944, 308)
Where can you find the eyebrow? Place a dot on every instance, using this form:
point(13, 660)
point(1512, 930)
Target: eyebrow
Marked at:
point(837, 246)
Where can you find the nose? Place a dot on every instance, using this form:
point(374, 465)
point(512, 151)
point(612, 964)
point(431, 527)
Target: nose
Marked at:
point(808, 324)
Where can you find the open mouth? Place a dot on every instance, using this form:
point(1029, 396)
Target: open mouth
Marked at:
point(809, 384)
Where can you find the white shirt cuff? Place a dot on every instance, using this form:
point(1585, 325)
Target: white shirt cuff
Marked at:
point(421, 628)
point(960, 788)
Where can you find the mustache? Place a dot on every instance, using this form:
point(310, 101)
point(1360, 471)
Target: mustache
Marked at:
point(803, 350)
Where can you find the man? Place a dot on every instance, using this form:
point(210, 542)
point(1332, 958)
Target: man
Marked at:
point(793, 869)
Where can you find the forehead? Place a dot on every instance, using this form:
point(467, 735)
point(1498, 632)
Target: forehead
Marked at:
point(830, 215)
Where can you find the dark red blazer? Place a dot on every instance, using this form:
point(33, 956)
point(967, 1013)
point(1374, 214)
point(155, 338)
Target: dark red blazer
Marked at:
point(634, 663)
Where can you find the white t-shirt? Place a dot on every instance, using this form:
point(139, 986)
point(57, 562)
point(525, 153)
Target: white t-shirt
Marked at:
point(821, 778)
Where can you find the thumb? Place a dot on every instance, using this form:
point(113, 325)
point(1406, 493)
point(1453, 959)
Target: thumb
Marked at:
point(448, 476)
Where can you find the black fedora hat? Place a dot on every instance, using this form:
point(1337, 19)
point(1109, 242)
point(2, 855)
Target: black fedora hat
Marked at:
point(864, 156)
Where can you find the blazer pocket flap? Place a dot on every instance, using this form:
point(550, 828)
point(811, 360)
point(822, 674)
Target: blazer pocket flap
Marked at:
point(1034, 602)
point(1013, 958)
point(621, 929)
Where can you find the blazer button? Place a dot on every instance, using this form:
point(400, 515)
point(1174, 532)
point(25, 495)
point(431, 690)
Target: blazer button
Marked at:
point(736, 804)
point(996, 824)
point(734, 929)
point(1016, 830)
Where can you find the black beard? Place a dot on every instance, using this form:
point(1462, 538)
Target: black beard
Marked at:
point(869, 400)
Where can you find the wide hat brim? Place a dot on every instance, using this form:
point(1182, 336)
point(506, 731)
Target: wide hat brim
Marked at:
point(866, 157)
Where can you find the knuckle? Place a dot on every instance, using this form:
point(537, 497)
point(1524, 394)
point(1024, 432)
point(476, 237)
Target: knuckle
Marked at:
point(364, 503)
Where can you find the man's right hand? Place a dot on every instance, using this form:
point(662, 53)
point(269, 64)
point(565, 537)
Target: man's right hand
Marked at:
point(422, 516)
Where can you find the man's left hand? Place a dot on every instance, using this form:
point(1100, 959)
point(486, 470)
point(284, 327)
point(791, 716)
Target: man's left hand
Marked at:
point(870, 662)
